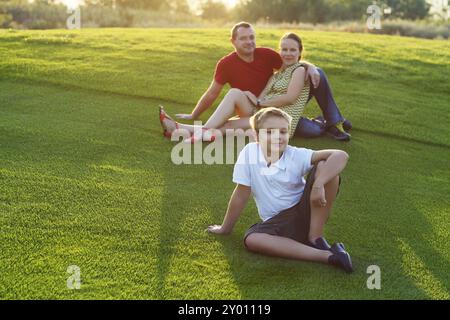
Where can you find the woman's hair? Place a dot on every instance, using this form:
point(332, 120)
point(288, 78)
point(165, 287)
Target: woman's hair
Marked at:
point(259, 117)
point(297, 39)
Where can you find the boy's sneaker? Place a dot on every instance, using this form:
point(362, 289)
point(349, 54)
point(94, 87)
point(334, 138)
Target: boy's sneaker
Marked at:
point(337, 247)
point(322, 244)
point(347, 125)
point(340, 259)
point(337, 134)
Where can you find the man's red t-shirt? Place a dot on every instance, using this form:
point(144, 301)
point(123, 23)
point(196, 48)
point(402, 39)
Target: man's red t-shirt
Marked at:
point(247, 76)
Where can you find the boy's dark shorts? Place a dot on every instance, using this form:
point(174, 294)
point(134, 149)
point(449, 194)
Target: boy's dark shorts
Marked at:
point(291, 223)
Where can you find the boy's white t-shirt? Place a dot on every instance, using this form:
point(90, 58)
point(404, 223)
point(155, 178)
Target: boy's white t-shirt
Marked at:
point(277, 187)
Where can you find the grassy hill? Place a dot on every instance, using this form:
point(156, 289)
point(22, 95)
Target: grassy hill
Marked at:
point(86, 178)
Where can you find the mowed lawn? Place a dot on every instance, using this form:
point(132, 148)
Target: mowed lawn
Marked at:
point(86, 177)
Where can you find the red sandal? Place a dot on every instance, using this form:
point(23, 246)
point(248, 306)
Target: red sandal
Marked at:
point(163, 116)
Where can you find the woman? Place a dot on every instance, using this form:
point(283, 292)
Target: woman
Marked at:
point(286, 89)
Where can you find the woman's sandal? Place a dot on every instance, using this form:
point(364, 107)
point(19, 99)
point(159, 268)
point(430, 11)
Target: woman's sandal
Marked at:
point(163, 116)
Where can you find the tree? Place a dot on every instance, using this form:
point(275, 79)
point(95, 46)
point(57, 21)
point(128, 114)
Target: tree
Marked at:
point(284, 10)
point(180, 6)
point(408, 9)
point(213, 10)
point(440, 9)
point(133, 4)
point(341, 10)
point(140, 4)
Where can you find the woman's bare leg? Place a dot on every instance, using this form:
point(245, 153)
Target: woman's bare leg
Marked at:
point(284, 247)
point(235, 102)
point(236, 123)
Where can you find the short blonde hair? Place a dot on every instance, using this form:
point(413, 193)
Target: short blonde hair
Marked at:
point(259, 117)
point(235, 28)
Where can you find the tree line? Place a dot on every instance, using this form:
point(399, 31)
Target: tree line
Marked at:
point(320, 11)
point(41, 14)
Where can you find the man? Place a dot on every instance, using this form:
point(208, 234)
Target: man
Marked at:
point(249, 68)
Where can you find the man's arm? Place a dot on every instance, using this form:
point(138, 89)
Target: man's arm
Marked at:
point(205, 101)
point(237, 203)
point(312, 73)
point(307, 63)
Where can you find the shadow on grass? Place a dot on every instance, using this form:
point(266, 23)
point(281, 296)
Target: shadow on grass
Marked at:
point(420, 247)
point(169, 232)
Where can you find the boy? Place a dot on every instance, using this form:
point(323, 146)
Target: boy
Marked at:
point(294, 212)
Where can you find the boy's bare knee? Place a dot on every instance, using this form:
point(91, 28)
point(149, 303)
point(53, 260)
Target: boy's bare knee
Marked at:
point(251, 242)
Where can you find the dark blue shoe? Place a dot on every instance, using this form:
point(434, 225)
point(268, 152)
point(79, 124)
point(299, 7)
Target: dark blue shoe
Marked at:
point(341, 259)
point(347, 125)
point(320, 119)
point(337, 134)
point(337, 247)
point(321, 244)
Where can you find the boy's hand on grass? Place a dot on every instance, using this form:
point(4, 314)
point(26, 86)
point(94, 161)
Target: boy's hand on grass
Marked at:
point(318, 196)
point(217, 229)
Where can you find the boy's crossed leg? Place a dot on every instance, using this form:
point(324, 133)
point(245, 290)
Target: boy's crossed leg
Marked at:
point(321, 213)
point(285, 247)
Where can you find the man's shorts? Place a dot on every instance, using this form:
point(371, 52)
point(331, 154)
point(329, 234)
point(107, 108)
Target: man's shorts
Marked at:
point(291, 223)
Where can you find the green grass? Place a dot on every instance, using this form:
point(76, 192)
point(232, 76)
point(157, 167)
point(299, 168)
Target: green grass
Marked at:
point(86, 177)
